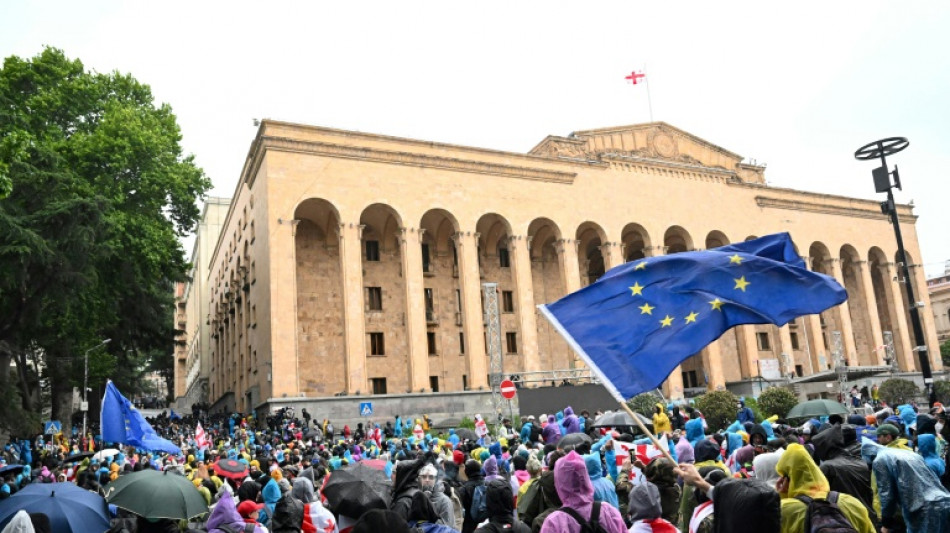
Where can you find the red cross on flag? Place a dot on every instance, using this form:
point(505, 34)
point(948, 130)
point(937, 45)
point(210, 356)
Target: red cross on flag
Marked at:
point(634, 76)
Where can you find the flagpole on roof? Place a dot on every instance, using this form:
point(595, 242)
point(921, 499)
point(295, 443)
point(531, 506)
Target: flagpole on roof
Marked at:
point(649, 100)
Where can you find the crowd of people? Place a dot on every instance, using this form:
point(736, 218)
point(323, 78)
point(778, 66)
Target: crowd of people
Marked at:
point(559, 472)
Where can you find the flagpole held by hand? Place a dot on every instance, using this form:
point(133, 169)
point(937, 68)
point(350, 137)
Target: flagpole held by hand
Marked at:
point(653, 439)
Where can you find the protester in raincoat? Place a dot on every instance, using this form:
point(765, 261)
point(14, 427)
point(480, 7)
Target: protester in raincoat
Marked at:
point(927, 448)
point(575, 491)
point(695, 431)
point(661, 422)
point(844, 472)
point(551, 434)
point(908, 489)
point(225, 515)
point(801, 477)
point(604, 490)
point(500, 504)
point(660, 473)
point(571, 423)
point(645, 511)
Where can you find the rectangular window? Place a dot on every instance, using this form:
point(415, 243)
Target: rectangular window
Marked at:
point(799, 370)
point(507, 302)
point(426, 262)
point(461, 343)
point(374, 298)
point(376, 345)
point(504, 260)
point(763, 339)
point(794, 337)
point(378, 385)
point(372, 250)
point(430, 338)
point(690, 379)
point(511, 342)
point(434, 383)
point(429, 296)
point(464, 382)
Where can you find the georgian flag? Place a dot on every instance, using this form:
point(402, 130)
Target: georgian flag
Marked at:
point(644, 452)
point(201, 440)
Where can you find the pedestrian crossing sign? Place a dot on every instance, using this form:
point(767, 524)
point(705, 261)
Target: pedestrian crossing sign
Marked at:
point(366, 408)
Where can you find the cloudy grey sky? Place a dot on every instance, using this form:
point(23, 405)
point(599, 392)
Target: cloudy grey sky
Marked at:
point(797, 86)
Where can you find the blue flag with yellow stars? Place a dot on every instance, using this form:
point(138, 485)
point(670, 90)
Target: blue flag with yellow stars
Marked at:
point(122, 423)
point(643, 318)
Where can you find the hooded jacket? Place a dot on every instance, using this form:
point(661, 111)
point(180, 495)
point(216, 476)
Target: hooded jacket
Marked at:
point(747, 506)
point(645, 511)
point(604, 490)
point(551, 434)
point(225, 514)
point(661, 422)
point(927, 448)
point(270, 494)
point(905, 485)
point(844, 473)
point(571, 423)
point(660, 473)
point(804, 478)
point(575, 491)
point(695, 431)
point(467, 491)
point(500, 504)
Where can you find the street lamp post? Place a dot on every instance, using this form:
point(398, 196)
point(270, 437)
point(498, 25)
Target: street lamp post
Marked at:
point(882, 183)
point(85, 384)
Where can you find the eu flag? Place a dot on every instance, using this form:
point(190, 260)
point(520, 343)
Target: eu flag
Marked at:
point(121, 422)
point(643, 318)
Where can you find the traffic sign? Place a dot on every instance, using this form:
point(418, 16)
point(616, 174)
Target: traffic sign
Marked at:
point(366, 408)
point(51, 427)
point(508, 389)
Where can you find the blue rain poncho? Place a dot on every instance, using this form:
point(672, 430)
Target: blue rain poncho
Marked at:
point(905, 482)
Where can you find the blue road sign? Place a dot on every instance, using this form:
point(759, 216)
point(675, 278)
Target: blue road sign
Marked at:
point(366, 408)
point(51, 427)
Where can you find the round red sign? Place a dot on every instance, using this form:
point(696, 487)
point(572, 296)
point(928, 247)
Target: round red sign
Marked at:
point(508, 389)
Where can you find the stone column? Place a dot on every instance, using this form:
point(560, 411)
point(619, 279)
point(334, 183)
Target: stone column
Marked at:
point(613, 254)
point(520, 248)
point(748, 350)
point(466, 242)
point(867, 290)
point(354, 324)
point(410, 242)
point(283, 316)
point(844, 313)
point(712, 356)
point(906, 357)
point(927, 318)
point(814, 336)
point(570, 268)
point(785, 345)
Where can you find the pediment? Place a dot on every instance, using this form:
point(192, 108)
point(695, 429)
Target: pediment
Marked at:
point(657, 141)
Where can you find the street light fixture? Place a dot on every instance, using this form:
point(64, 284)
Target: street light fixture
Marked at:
point(85, 384)
point(882, 183)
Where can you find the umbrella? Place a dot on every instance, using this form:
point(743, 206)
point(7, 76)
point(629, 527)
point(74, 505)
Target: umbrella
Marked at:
point(102, 454)
point(378, 464)
point(231, 468)
point(356, 489)
point(155, 494)
point(615, 419)
point(816, 408)
point(70, 509)
point(466, 434)
point(78, 457)
point(314, 433)
point(10, 468)
point(449, 423)
point(574, 441)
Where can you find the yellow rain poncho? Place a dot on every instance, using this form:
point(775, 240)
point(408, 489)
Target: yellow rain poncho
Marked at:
point(805, 478)
point(661, 422)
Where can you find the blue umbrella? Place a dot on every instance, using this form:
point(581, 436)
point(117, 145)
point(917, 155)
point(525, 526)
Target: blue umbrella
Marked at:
point(70, 509)
point(10, 468)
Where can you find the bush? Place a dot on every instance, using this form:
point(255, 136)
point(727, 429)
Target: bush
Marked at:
point(896, 391)
point(753, 404)
point(777, 401)
point(467, 423)
point(719, 408)
point(942, 390)
point(645, 404)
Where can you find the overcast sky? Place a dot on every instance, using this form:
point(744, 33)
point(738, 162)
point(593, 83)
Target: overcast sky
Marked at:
point(799, 87)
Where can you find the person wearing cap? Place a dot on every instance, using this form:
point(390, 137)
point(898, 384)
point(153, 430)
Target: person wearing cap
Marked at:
point(250, 511)
point(890, 436)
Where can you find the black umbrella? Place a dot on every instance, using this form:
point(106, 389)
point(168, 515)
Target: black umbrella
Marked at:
point(314, 433)
point(78, 457)
point(466, 434)
point(10, 469)
point(575, 441)
point(356, 490)
point(231, 468)
point(615, 419)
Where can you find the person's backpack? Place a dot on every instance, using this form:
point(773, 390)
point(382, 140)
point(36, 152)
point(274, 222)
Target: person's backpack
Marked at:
point(479, 510)
point(592, 525)
point(535, 432)
point(824, 515)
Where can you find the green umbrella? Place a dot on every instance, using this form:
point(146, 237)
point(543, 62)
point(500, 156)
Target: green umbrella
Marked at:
point(155, 494)
point(816, 408)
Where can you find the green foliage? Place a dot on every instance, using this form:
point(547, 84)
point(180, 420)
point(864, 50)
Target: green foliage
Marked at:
point(719, 408)
point(896, 391)
point(100, 194)
point(942, 390)
point(15, 420)
point(753, 404)
point(945, 353)
point(467, 423)
point(645, 404)
point(777, 401)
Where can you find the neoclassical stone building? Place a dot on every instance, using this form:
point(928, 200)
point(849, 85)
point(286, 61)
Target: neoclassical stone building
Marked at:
point(353, 263)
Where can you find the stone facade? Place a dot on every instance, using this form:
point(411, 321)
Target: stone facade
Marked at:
point(352, 263)
point(939, 291)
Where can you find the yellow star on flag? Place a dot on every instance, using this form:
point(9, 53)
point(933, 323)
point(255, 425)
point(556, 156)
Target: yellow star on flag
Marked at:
point(691, 317)
point(637, 289)
point(735, 259)
point(716, 304)
point(741, 284)
point(641, 265)
point(646, 309)
point(667, 321)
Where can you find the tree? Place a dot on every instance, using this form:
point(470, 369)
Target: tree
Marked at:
point(719, 408)
point(776, 401)
point(100, 194)
point(896, 391)
point(945, 353)
point(645, 404)
point(942, 391)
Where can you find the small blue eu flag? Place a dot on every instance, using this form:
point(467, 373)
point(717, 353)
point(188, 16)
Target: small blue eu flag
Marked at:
point(643, 318)
point(121, 422)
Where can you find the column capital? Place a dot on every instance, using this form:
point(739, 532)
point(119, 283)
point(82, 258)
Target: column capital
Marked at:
point(561, 245)
point(459, 236)
point(352, 225)
point(404, 234)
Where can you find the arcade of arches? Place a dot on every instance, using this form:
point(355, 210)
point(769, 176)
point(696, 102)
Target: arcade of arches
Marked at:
point(376, 288)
